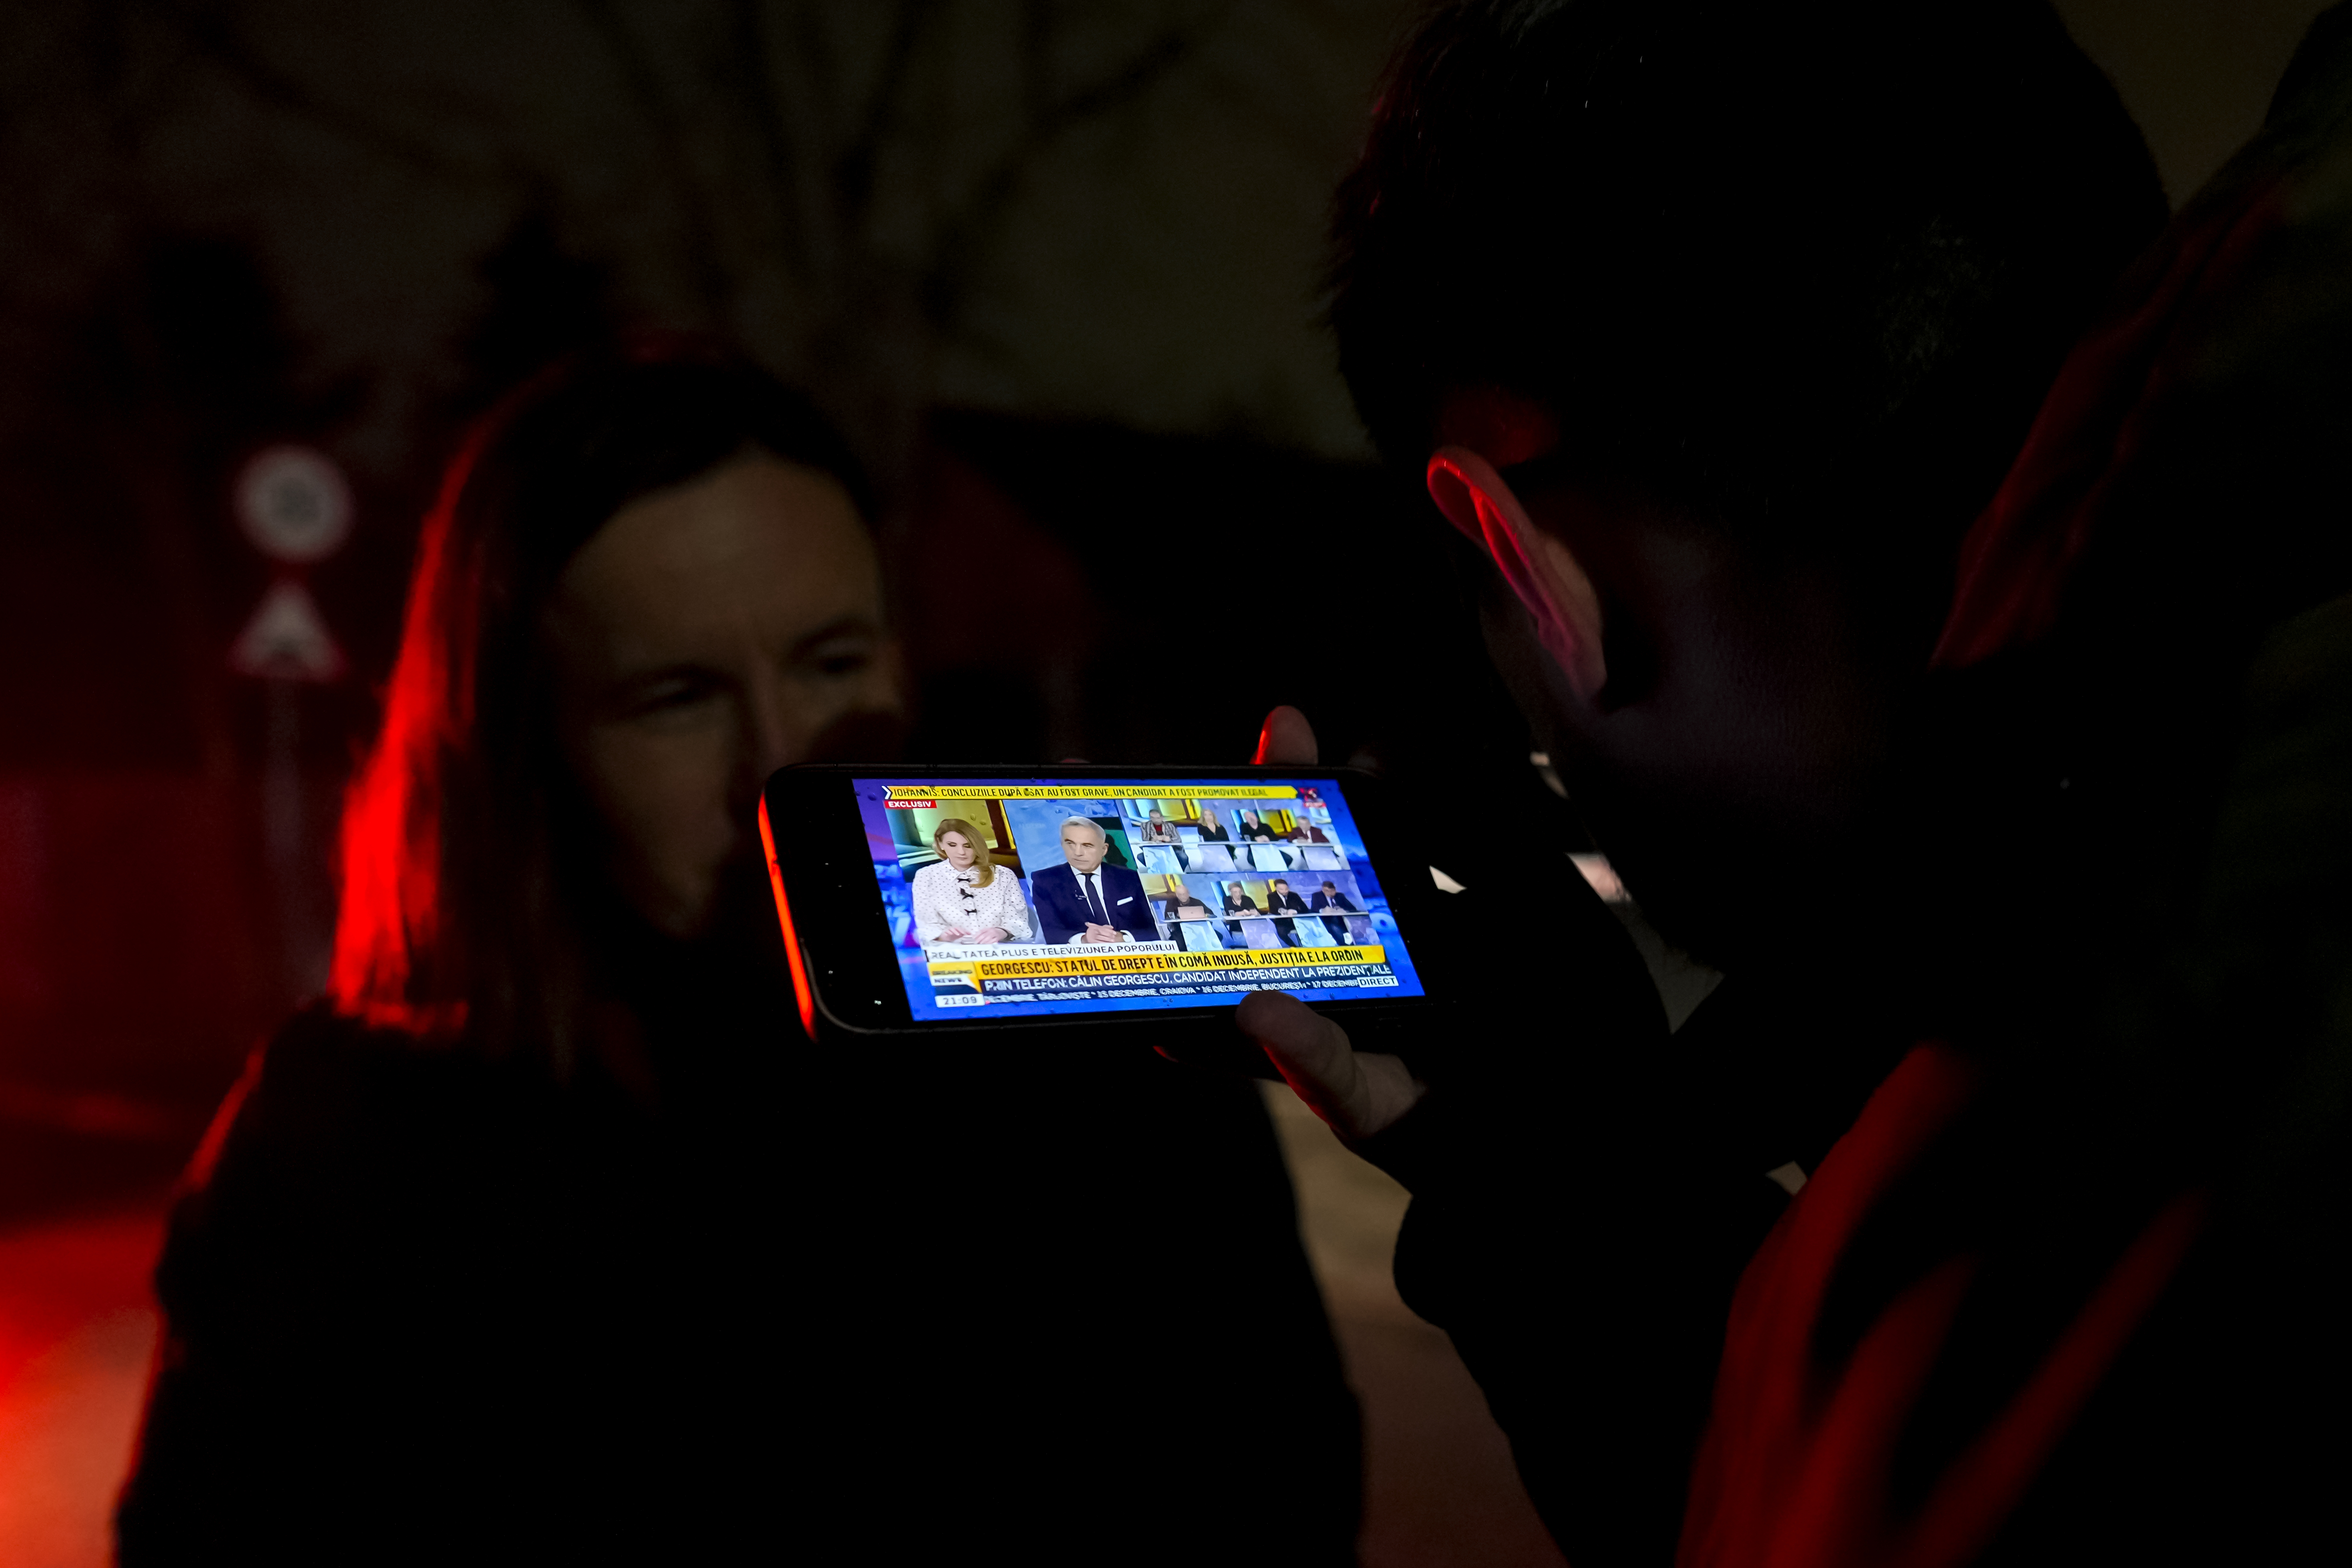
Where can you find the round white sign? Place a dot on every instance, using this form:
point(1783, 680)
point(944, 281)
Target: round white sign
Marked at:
point(294, 505)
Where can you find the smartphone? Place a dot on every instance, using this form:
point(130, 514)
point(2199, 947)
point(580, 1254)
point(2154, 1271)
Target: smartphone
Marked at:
point(937, 901)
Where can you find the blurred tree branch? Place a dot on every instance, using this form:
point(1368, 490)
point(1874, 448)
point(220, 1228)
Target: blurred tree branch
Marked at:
point(213, 32)
point(669, 133)
point(967, 232)
point(830, 183)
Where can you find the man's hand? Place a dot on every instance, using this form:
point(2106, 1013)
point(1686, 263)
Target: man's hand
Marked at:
point(1101, 932)
point(1358, 1092)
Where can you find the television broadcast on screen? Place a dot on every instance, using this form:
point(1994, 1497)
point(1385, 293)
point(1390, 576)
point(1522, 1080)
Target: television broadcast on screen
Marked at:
point(1131, 896)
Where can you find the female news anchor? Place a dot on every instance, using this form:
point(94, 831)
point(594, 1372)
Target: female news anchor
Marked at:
point(960, 898)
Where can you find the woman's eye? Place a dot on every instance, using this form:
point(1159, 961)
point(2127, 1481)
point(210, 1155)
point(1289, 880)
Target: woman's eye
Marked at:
point(842, 658)
point(674, 696)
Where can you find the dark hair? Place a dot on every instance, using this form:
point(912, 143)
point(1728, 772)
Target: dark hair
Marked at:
point(454, 912)
point(1768, 261)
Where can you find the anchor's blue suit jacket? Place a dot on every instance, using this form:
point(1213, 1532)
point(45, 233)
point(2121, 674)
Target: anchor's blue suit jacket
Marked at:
point(1062, 908)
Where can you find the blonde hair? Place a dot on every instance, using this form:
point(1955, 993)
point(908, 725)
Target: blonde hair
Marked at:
point(980, 859)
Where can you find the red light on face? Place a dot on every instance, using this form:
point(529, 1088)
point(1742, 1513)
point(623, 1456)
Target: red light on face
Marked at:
point(800, 992)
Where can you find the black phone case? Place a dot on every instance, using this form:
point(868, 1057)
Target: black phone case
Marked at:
point(828, 884)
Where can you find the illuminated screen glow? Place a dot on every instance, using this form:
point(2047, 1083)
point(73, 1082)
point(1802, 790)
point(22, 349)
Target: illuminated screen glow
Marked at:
point(1162, 895)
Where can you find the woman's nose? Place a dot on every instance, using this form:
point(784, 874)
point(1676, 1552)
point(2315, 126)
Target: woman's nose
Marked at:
point(771, 740)
point(766, 742)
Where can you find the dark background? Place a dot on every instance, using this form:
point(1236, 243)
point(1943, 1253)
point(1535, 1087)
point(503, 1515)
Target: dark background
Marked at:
point(1052, 265)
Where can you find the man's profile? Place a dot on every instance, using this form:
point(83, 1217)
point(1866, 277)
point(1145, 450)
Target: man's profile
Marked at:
point(1860, 477)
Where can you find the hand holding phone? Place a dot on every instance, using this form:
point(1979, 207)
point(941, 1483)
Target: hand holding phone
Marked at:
point(1358, 1093)
point(939, 900)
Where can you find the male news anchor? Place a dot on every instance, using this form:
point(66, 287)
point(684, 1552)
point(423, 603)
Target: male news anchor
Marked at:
point(1331, 897)
point(1085, 900)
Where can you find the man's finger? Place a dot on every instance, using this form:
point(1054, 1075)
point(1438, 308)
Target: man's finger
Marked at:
point(1286, 737)
point(1358, 1093)
point(1312, 1050)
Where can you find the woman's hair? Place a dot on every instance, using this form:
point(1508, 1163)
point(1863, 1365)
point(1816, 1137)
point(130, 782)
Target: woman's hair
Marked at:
point(464, 902)
point(979, 847)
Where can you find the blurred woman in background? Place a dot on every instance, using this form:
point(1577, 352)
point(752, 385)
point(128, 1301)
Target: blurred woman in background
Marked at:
point(546, 1236)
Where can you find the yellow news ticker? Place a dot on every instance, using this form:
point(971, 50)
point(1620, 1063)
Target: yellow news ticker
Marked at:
point(983, 970)
point(1086, 789)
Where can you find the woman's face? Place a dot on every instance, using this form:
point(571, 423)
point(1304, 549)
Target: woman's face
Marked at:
point(958, 850)
point(705, 637)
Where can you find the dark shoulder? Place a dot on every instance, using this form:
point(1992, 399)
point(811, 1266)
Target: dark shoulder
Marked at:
point(335, 1119)
point(345, 1159)
point(327, 1086)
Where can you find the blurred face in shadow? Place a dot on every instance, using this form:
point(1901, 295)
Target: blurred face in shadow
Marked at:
point(707, 635)
point(1743, 733)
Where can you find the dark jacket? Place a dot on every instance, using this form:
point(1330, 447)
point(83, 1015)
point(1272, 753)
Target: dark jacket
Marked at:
point(1062, 908)
point(422, 1305)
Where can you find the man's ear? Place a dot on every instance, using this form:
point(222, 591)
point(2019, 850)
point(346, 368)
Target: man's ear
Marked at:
point(1543, 572)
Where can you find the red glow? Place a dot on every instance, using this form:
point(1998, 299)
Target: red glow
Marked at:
point(392, 905)
point(800, 992)
point(1794, 1472)
point(2026, 552)
point(78, 1333)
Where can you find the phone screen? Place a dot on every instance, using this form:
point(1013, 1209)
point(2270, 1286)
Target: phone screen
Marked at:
point(1105, 896)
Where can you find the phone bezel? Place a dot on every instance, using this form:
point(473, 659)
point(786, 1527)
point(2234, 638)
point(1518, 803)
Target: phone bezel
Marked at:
point(849, 982)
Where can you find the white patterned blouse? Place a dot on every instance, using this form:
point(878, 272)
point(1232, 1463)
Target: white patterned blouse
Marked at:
point(946, 897)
